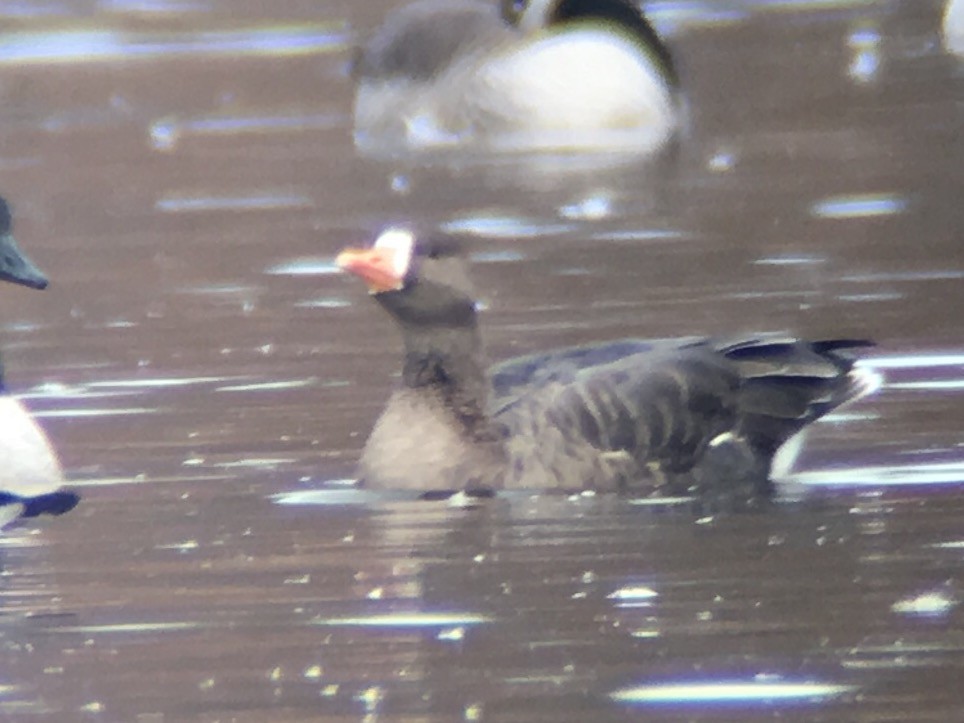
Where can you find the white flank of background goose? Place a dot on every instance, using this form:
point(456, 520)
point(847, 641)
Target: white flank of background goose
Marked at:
point(953, 27)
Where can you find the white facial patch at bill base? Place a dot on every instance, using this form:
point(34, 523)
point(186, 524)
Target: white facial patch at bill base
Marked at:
point(400, 243)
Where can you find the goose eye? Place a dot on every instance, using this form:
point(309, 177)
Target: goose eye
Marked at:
point(400, 243)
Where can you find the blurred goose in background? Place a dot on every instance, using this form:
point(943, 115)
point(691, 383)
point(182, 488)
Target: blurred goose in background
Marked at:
point(683, 416)
point(953, 27)
point(31, 479)
point(545, 75)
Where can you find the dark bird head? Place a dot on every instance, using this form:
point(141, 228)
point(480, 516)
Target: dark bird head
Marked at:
point(14, 265)
point(421, 39)
point(421, 282)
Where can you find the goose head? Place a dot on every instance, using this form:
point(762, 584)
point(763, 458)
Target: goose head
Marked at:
point(420, 282)
point(420, 40)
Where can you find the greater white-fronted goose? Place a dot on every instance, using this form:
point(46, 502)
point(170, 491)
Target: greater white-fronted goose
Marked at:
point(662, 417)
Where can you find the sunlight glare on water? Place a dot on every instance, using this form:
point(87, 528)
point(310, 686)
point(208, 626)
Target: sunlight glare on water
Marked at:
point(261, 201)
point(156, 7)
point(944, 473)
point(930, 605)
point(917, 361)
point(305, 267)
point(504, 227)
point(87, 46)
point(731, 692)
point(166, 133)
point(633, 594)
point(864, 42)
point(134, 628)
point(860, 206)
point(406, 620)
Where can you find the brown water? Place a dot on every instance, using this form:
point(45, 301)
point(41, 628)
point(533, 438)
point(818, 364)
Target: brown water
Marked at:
point(186, 178)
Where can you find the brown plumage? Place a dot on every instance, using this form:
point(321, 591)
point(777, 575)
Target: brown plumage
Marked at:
point(667, 416)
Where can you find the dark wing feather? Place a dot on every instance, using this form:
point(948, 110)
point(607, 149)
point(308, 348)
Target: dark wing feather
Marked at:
point(521, 374)
point(788, 383)
point(662, 404)
point(664, 401)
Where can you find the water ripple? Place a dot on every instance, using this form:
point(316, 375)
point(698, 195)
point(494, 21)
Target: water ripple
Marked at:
point(735, 691)
point(258, 202)
point(89, 46)
point(165, 133)
point(406, 620)
point(502, 227)
point(860, 205)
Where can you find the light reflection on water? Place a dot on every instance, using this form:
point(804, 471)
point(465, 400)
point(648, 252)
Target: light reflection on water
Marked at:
point(930, 605)
point(864, 298)
point(946, 385)
point(80, 413)
point(89, 46)
point(790, 261)
point(268, 386)
point(504, 227)
point(325, 303)
point(860, 206)
point(944, 473)
point(165, 134)
point(642, 234)
point(406, 620)
point(919, 360)
point(262, 201)
point(305, 267)
point(591, 208)
point(156, 7)
point(864, 42)
point(634, 595)
point(134, 628)
point(731, 692)
point(155, 383)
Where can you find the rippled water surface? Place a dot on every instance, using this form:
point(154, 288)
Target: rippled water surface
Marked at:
point(184, 171)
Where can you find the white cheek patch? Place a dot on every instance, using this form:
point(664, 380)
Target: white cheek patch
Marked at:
point(400, 243)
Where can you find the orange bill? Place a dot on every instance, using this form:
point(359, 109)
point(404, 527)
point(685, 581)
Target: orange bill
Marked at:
point(374, 266)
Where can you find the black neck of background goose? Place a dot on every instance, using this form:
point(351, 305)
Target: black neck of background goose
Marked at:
point(6, 220)
point(624, 14)
point(14, 266)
